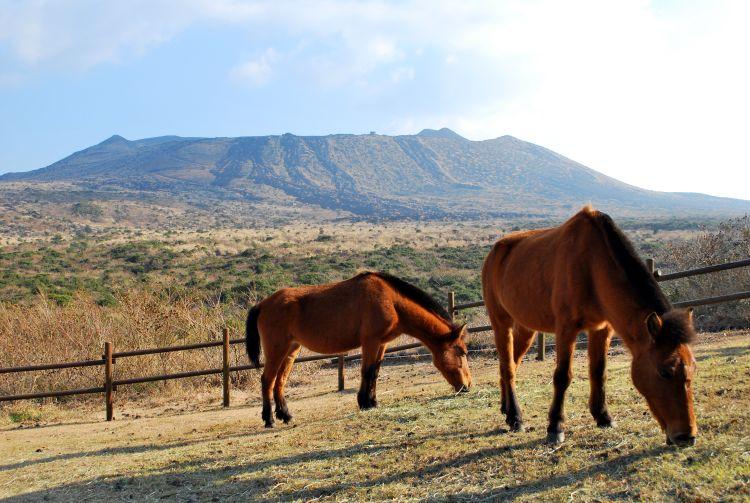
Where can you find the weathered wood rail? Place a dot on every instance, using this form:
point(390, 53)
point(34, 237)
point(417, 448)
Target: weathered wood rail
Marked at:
point(111, 384)
point(109, 357)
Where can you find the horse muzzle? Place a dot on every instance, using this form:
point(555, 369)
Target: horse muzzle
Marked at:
point(464, 388)
point(681, 440)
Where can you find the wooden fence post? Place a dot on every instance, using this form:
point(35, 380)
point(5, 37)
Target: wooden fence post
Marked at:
point(108, 388)
point(650, 265)
point(540, 346)
point(225, 365)
point(341, 372)
point(451, 304)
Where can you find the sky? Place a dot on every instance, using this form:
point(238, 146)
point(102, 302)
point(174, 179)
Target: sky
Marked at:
point(654, 93)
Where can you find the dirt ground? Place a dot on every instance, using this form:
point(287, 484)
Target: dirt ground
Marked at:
point(422, 442)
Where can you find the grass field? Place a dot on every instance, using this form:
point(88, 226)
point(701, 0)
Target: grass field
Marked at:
point(421, 443)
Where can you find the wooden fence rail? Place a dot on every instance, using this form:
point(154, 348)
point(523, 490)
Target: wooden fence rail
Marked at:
point(109, 357)
point(111, 384)
point(658, 275)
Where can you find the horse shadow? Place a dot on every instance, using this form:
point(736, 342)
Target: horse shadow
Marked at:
point(191, 480)
point(436, 470)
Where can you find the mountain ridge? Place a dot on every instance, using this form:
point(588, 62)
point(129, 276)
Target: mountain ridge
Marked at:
point(433, 174)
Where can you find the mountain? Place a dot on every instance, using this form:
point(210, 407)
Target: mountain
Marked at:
point(433, 174)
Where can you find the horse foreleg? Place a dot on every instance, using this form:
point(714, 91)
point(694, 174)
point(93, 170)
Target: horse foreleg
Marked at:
point(598, 346)
point(564, 346)
point(282, 411)
point(372, 357)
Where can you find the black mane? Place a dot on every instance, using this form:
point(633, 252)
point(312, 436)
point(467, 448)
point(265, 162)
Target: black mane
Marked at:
point(624, 254)
point(677, 328)
point(413, 293)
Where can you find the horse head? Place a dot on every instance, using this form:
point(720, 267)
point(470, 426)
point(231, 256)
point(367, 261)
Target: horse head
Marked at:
point(663, 372)
point(450, 358)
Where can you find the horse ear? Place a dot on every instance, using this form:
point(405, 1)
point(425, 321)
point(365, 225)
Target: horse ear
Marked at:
point(654, 324)
point(458, 332)
point(690, 315)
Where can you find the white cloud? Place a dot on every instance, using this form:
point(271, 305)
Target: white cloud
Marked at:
point(81, 34)
point(402, 73)
point(655, 94)
point(257, 71)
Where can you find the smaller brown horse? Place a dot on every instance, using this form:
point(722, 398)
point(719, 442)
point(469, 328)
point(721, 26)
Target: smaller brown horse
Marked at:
point(585, 275)
point(369, 310)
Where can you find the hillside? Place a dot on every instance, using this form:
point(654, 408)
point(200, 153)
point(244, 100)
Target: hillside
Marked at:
point(433, 174)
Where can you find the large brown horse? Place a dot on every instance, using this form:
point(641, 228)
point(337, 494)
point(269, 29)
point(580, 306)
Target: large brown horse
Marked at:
point(368, 310)
point(585, 276)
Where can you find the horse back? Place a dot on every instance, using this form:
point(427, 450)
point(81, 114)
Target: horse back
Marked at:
point(539, 276)
point(328, 318)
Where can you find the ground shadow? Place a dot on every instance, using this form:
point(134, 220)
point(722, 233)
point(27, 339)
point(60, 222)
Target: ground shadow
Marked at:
point(192, 481)
point(727, 352)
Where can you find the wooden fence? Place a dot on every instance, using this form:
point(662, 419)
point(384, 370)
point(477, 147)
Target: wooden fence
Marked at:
point(541, 345)
point(110, 356)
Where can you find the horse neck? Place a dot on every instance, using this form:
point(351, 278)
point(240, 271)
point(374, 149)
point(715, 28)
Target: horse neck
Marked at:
point(421, 324)
point(625, 311)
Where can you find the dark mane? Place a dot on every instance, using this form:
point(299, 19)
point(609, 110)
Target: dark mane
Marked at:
point(676, 328)
point(413, 293)
point(642, 281)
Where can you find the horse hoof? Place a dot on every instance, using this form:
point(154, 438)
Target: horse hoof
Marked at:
point(555, 438)
point(283, 416)
point(605, 421)
point(517, 427)
point(606, 424)
point(269, 425)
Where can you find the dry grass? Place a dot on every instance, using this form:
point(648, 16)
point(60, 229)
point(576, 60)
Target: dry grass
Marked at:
point(45, 332)
point(421, 443)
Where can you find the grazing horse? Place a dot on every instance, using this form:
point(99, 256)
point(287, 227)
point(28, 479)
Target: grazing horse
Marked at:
point(585, 276)
point(368, 310)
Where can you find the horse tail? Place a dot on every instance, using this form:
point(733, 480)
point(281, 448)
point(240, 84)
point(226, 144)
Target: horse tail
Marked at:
point(252, 336)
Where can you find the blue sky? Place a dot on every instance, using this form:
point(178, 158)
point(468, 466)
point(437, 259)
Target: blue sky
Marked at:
point(653, 93)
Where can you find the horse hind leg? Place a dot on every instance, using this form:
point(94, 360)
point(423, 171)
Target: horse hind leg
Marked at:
point(504, 342)
point(275, 348)
point(282, 410)
point(267, 380)
point(522, 341)
point(372, 358)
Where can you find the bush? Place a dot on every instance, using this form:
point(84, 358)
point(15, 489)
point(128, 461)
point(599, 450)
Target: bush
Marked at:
point(86, 209)
point(729, 242)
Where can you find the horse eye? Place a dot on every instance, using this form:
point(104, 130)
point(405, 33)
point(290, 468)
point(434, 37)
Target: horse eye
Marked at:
point(665, 373)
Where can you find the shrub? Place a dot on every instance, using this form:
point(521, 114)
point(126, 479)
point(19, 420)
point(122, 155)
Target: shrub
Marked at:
point(729, 242)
